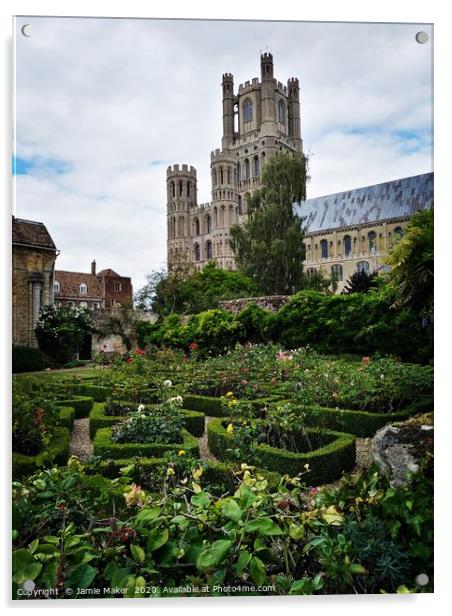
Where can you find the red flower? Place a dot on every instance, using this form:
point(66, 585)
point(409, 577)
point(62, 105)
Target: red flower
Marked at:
point(193, 346)
point(139, 352)
point(366, 360)
point(130, 360)
point(39, 416)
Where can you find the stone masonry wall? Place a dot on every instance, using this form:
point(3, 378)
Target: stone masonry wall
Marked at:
point(270, 302)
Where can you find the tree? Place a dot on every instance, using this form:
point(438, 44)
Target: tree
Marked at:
point(411, 261)
point(169, 293)
point(61, 332)
point(269, 247)
point(359, 282)
point(122, 323)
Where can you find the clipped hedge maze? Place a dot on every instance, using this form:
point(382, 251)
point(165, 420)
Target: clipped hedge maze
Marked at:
point(105, 447)
point(326, 463)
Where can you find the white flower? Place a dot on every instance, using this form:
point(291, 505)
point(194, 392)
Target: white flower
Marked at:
point(382, 376)
point(141, 407)
point(167, 383)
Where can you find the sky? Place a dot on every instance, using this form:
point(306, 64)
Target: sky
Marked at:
point(103, 106)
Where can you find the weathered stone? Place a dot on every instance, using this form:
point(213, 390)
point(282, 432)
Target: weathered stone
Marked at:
point(269, 302)
point(398, 449)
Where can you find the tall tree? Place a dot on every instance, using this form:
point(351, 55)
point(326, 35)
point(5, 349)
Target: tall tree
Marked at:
point(411, 261)
point(269, 246)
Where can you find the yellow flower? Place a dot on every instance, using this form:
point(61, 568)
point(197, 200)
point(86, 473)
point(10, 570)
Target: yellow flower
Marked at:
point(170, 472)
point(181, 453)
point(230, 429)
point(198, 472)
point(229, 394)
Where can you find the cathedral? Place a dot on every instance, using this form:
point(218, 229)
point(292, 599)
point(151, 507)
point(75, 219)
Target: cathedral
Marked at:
point(343, 232)
point(261, 119)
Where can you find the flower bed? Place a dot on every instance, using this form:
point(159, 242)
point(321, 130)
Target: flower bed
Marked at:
point(193, 420)
point(105, 447)
point(56, 452)
point(325, 463)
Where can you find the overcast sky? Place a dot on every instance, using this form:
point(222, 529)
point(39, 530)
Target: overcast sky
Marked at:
point(103, 106)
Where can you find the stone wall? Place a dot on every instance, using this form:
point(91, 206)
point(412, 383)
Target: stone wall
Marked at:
point(32, 288)
point(270, 302)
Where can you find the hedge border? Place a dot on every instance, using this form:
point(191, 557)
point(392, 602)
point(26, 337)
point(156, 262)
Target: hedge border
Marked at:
point(82, 405)
point(194, 421)
point(56, 452)
point(66, 419)
point(326, 464)
point(106, 448)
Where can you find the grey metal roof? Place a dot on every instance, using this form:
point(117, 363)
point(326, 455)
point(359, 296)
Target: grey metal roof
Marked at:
point(395, 199)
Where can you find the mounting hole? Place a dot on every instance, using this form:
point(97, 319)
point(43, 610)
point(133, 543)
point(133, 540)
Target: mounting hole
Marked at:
point(26, 30)
point(422, 579)
point(422, 37)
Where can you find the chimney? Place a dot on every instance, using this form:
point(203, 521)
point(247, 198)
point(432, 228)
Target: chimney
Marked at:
point(93, 267)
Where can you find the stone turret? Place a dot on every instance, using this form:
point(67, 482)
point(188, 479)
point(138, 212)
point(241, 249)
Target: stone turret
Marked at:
point(181, 200)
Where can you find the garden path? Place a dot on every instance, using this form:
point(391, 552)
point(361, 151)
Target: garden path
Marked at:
point(204, 451)
point(81, 445)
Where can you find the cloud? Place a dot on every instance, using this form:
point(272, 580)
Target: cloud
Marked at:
point(104, 105)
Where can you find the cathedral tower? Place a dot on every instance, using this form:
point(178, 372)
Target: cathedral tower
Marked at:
point(260, 119)
point(181, 201)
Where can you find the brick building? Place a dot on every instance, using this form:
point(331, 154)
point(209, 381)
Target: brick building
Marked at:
point(33, 263)
point(98, 291)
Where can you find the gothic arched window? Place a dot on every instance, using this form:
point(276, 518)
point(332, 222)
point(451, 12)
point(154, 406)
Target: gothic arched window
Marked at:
point(173, 189)
point(347, 245)
point(239, 199)
point(281, 112)
point(372, 237)
point(209, 251)
point(324, 249)
point(197, 252)
point(208, 224)
point(247, 110)
point(398, 231)
point(247, 169)
point(337, 272)
point(196, 221)
point(363, 266)
point(221, 175)
point(239, 175)
point(256, 166)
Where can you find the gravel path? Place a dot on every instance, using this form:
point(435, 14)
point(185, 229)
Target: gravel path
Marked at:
point(81, 445)
point(204, 451)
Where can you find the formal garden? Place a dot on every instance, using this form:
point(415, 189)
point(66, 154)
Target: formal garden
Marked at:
point(264, 452)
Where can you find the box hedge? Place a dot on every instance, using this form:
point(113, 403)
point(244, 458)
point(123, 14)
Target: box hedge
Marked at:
point(325, 463)
point(212, 407)
point(56, 452)
point(98, 393)
point(66, 418)
point(193, 420)
point(106, 448)
point(82, 405)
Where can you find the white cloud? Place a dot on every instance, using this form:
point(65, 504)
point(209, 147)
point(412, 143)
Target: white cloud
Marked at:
point(111, 97)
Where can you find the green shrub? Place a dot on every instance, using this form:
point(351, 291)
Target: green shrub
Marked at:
point(82, 405)
point(56, 452)
point(325, 463)
point(29, 359)
point(212, 407)
point(253, 321)
point(356, 323)
point(105, 447)
point(67, 414)
point(97, 392)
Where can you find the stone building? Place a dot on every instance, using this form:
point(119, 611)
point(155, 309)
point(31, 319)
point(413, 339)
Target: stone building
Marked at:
point(355, 229)
point(102, 291)
point(33, 263)
point(259, 120)
point(346, 231)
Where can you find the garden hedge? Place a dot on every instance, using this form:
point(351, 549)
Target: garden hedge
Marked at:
point(325, 464)
point(82, 405)
point(212, 407)
point(66, 418)
point(106, 448)
point(98, 393)
point(193, 420)
point(56, 452)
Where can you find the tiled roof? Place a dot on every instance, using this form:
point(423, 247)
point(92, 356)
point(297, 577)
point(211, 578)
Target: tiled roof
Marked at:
point(70, 285)
point(31, 233)
point(108, 272)
point(395, 199)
